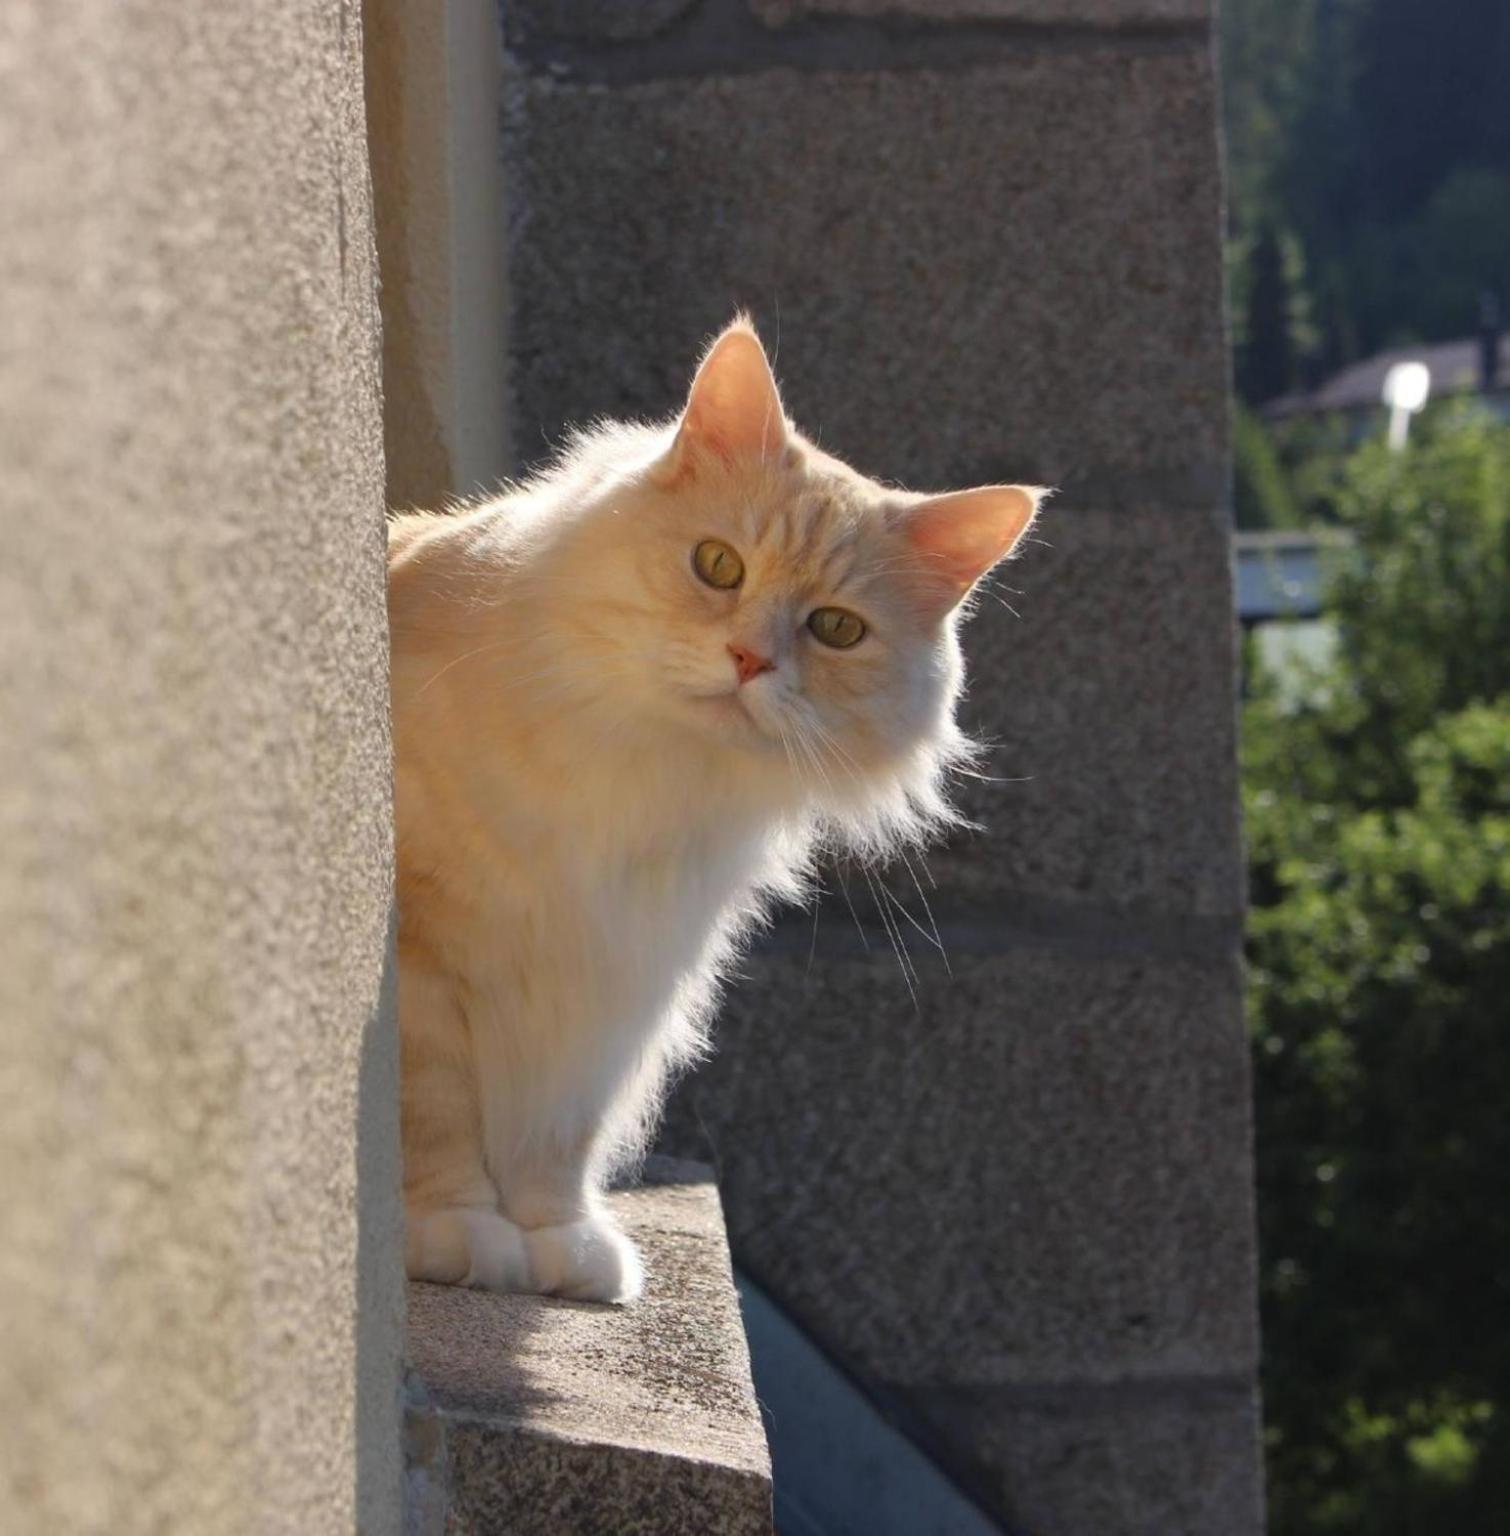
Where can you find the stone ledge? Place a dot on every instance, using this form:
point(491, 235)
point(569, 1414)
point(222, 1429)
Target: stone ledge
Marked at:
point(535, 1415)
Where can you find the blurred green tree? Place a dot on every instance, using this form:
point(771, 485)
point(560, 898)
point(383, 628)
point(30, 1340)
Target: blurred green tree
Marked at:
point(1261, 496)
point(1372, 138)
point(1379, 828)
point(1268, 362)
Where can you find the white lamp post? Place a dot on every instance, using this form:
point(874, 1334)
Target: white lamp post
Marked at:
point(1407, 386)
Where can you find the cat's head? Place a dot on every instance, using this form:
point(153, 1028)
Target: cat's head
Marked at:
point(752, 590)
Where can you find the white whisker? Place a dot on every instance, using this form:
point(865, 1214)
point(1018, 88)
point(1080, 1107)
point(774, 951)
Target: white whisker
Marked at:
point(849, 902)
point(491, 645)
point(938, 938)
point(898, 944)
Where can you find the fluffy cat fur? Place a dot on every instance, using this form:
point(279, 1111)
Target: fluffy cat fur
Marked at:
point(607, 768)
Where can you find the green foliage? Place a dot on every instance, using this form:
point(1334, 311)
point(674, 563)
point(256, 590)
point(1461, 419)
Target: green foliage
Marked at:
point(1457, 247)
point(1379, 829)
point(1261, 491)
point(1288, 474)
point(1422, 277)
point(1372, 137)
point(1268, 358)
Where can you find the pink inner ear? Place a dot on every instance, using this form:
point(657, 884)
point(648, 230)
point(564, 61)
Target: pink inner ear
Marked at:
point(962, 536)
point(734, 408)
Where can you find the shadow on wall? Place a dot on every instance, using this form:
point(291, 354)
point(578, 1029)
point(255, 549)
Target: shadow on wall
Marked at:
point(462, 1356)
point(379, 1299)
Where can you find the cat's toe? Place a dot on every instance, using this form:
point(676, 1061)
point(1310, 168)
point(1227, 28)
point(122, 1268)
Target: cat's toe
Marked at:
point(587, 1260)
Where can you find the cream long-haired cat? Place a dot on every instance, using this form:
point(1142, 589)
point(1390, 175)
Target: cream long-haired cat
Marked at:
point(631, 700)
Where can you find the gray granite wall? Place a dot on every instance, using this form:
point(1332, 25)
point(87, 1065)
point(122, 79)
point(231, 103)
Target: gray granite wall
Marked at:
point(983, 237)
point(200, 1263)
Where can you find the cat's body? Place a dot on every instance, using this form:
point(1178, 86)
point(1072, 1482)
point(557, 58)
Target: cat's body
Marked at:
point(610, 756)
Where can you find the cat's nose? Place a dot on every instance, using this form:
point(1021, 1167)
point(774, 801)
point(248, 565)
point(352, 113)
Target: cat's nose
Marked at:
point(749, 663)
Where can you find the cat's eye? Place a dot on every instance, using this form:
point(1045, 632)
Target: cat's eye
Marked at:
point(837, 627)
point(717, 564)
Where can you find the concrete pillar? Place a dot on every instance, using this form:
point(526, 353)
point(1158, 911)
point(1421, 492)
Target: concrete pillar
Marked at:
point(199, 1261)
point(984, 239)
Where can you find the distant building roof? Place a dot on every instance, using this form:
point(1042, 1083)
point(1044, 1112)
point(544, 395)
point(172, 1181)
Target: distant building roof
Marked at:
point(1453, 365)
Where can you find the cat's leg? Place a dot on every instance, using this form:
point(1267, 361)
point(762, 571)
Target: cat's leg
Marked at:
point(551, 1182)
point(562, 1101)
point(576, 1249)
point(454, 1233)
point(542, 1152)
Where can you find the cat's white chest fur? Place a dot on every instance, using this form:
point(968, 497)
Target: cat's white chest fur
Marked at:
point(590, 933)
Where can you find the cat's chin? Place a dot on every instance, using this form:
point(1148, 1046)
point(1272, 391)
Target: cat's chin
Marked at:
point(727, 719)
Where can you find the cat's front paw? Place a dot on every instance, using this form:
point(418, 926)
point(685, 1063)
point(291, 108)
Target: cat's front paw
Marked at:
point(465, 1246)
point(587, 1260)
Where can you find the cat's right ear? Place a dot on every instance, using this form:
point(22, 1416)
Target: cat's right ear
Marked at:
point(956, 539)
point(733, 411)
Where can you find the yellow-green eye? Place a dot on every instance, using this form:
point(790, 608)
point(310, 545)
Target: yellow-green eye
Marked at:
point(837, 627)
point(717, 564)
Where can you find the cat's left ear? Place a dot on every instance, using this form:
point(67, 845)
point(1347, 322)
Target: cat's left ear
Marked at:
point(733, 411)
point(959, 537)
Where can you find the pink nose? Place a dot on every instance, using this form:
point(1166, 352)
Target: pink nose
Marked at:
point(749, 663)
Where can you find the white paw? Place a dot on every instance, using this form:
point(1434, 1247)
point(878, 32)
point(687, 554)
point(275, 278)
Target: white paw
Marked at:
point(587, 1260)
point(467, 1247)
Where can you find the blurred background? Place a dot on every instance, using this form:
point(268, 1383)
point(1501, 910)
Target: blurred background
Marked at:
point(1368, 146)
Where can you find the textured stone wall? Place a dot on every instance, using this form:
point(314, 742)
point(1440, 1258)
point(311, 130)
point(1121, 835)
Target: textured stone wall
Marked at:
point(983, 237)
point(199, 1271)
